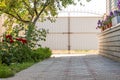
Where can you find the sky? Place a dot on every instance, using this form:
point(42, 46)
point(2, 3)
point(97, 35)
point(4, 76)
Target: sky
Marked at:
point(92, 8)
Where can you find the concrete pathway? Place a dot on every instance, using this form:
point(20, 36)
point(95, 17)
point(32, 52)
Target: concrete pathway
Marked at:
point(72, 67)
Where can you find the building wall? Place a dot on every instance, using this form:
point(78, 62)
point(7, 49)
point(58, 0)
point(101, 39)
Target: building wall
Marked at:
point(1, 28)
point(83, 33)
point(108, 7)
point(111, 5)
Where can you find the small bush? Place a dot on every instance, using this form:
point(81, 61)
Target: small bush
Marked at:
point(22, 54)
point(41, 54)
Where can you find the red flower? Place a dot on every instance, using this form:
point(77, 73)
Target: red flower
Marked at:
point(9, 36)
point(22, 40)
point(19, 39)
point(11, 41)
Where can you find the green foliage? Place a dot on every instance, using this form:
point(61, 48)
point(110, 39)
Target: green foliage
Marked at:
point(16, 67)
point(5, 71)
point(5, 53)
point(41, 53)
point(31, 10)
point(13, 67)
point(14, 47)
point(22, 53)
point(8, 71)
point(35, 35)
point(12, 50)
point(16, 50)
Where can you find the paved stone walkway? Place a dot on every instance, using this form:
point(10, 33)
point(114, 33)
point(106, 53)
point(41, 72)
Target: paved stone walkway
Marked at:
point(72, 67)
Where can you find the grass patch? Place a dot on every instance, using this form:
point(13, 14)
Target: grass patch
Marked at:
point(5, 71)
point(18, 67)
point(8, 71)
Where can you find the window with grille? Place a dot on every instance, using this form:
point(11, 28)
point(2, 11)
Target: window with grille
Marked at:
point(113, 4)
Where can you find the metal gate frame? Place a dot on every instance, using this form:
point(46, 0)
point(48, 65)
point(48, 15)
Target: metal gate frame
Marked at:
point(71, 24)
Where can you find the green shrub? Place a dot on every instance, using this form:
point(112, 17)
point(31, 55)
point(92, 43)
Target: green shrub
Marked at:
point(22, 54)
point(5, 72)
point(41, 54)
point(48, 52)
point(14, 49)
point(36, 56)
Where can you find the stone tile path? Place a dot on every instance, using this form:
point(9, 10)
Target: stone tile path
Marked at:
point(72, 67)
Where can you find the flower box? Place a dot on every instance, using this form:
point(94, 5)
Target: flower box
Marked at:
point(115, 20)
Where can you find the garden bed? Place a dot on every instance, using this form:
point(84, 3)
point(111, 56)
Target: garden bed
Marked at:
point(10, 66)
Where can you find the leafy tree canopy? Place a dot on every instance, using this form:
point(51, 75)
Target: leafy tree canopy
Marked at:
point(31, 10)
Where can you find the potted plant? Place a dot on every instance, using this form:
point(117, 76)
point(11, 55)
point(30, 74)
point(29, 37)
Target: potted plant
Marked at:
point(108, 21)
point(116, 18)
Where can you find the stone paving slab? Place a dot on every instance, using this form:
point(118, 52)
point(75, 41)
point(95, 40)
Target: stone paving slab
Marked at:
point(72, 67)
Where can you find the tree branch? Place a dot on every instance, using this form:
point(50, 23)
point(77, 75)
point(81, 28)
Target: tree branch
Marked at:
point(28, 8)
point(17, 14)
point(44, 6)
point(35, 8)
point(25, 21)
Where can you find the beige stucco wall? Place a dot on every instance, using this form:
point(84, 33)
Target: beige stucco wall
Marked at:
point(2, 29)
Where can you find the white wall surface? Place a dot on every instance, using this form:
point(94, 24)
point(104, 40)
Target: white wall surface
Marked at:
point(84, 41)
point(61, 25)
point(56, 41)
point(83, 24)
